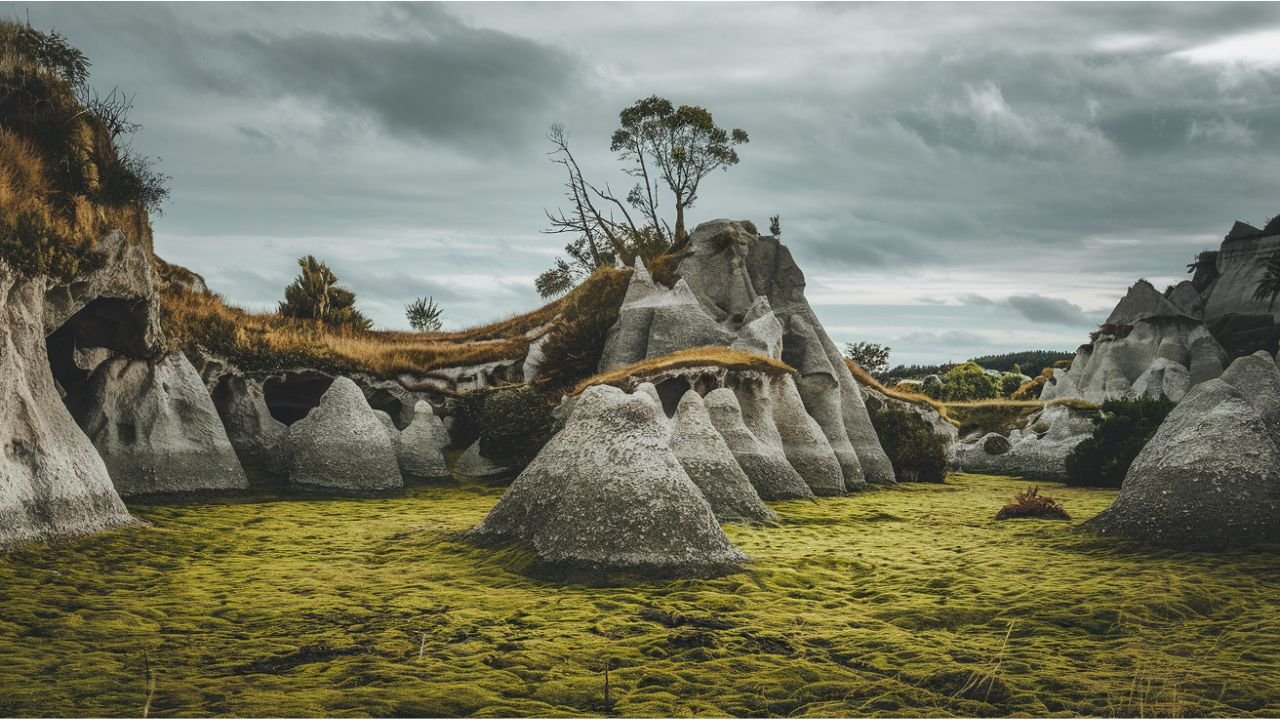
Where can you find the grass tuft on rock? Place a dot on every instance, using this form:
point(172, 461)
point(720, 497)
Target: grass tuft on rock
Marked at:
point(707, 356)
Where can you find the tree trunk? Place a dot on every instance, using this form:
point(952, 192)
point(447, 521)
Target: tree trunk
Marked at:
point(680, 234)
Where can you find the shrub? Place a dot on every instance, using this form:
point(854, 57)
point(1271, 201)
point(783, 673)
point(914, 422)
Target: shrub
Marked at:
point(1010, 383)
point(1122, 430)
point(1031, 389)
point(575, 344)
point(917, 453)
point(315, 295)
point(516, 422)
point(963, 382)
point(1031, 504)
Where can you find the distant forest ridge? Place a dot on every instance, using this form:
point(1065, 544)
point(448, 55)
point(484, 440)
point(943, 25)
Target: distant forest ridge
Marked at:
point(1030, 362)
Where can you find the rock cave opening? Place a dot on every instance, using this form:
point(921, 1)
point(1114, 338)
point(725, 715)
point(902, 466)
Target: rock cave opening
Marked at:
point(292, 395)
point(103, 328)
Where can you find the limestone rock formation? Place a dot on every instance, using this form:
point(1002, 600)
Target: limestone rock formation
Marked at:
point(255, 435)
point(422, 444)
point(656, 321)
point(156, 427)
point(707, 460)
point(742, 290)
point(1148, 345)
point(1209, 476)
point(52, 481)
point(342, 445)
point(476, 466)
point(765, 464)
point(1037, 451)
point(607, 498)
point(803, 442)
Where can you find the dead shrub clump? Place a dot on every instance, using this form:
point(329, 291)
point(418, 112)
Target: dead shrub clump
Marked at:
point(1031, 504)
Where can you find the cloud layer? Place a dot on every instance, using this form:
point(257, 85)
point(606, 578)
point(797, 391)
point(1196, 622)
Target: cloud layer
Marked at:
point(955, 180)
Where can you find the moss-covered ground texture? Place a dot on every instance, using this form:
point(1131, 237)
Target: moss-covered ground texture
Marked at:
point(909, 601)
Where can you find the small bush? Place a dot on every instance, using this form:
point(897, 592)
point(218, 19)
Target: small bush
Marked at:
point(575, 345)
point(962, 383)
point(515, 423)
point(1031, 504)
point(917, 453)
point(1010, 383)
point(1122, 430)
point(1031, 389)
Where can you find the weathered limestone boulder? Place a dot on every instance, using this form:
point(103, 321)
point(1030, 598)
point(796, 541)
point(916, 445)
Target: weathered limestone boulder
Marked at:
point(607, 498)
point(52, 481)
point(255, 435)
point(655, 321)
point(1258, 379)
point(1242, 323)
point(156, 428)
point(342, 445)
point(803, 442)
point(422, 444)
point(478, 467)
point(728, 268)
point(1147, 342)
point(1209, 476)
point(1163, 378)
point(707, 460)
point(1038, 451)
point(765, 464)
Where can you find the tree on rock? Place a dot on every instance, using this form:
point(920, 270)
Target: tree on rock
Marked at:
point(315, 295)
point(684, 146)
point(871, 357)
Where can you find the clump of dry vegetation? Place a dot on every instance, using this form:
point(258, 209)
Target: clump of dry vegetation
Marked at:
point(865, 378)
point(198, 320)
point(1031, 504)
point(708, 356)
point(67, 175)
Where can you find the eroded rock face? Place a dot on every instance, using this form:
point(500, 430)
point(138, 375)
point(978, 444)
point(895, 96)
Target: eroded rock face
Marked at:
point(422, 445)
point(1037, 451)
point(156, 427)
point(1209, 476)
point(342, 446)
point(476, 466)
point(803, 442)
point(607, 497)
point(707, 460)
point(255, 435)
point(1148, 346)
point(765, 464)
point(52, 481)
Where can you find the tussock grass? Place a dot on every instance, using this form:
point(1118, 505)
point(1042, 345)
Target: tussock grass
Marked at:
point(706, 356)
point(865, 378)
point(910, 601)
point(269, 341)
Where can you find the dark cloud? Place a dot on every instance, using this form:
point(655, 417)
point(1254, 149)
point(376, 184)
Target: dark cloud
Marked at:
point(1046, 153)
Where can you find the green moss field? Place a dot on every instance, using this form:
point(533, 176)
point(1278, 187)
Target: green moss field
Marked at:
point(909, 601)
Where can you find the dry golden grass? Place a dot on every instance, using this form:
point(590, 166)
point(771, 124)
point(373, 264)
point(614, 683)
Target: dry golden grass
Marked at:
point(708, 356)
point(865, 378)
point(268, 341)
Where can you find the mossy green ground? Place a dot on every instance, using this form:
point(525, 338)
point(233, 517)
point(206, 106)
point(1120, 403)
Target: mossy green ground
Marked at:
point(905, 601)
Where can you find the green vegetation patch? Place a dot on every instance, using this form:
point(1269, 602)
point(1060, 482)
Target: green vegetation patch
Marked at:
point(910, 601)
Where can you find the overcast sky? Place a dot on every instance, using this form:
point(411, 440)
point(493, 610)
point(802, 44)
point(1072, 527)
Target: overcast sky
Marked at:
point(954, 180)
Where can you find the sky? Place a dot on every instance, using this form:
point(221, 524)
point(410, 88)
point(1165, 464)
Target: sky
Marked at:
point(954, 180)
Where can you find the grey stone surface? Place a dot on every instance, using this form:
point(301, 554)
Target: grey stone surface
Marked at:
point(478, 467)
point(156, 427)
point(607, 497)
point(1258, 380)
point(1142, 301)
point(707, 460)
point(342, 446)
point(1209, 476)
point(765, 464)
point(655, 321)
point(255, 435)
point(1163, 378)
point(1037, 451)
point(803, 442)
point(422, 444)
point(52, 482)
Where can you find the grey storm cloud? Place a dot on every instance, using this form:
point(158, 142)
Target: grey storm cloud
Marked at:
point(404, 142)
point(1039, 309)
